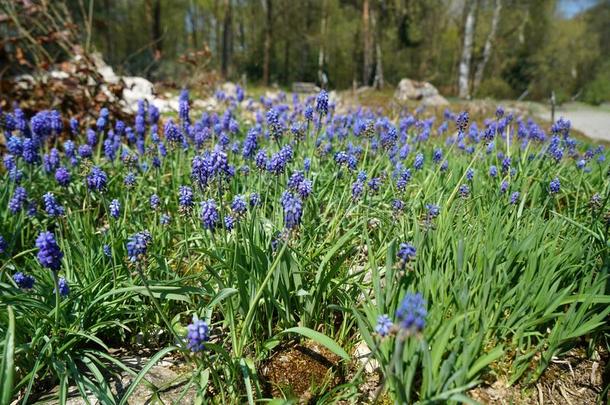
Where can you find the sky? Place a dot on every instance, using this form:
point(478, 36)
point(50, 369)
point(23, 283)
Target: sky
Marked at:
point(570, 8)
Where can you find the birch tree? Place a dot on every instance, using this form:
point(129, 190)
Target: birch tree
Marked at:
point(322, 79)
point(227, 38)
point(367, 66)
point(466, 58)
point(378, 81)
point(489, 42)
point(268, 41)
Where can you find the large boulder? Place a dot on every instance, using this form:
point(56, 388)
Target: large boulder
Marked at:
point(419, 91)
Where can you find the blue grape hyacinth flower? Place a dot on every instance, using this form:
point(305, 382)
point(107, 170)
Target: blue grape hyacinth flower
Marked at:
point(493, 171)
point(504, 186)
point(322, 102)
point(137, 245)
point(411, 313)
point(418, 164)
point(155, 202)
point(115, 208)
point(470, 174)
point(357, 190)
point(130, 180)
point(293, 209)
point(464, 191)
point(239, 206)
point(97, 179)
point(49, 254)
point(555, 186)
point(433, 210)
point(229, 222)
point(406, 253)
point(185, 198)
point(198, 334)
point(62, 176)
point(165, 219)
point(384, 325)
point(24, 281)
point(51, 206)
point(64, 287)
point(461, 121)
point(209, 214)
point(18, 200)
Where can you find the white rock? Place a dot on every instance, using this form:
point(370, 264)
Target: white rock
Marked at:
point(138, 88)
point(362, 352)
point(58, 74)
point(103, 69)
point(24, 82)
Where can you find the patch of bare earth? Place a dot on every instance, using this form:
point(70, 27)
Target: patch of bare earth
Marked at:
point(301, 371)
point(572, 380)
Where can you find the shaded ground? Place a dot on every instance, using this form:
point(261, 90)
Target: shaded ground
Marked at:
point(301, 371)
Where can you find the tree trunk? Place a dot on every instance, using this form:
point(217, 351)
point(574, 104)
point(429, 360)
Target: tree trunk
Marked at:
point(108, 42)
point(217, 32)
point(193, 18)
point(378, 82)
point(242, 32)
point(286, 74)
point(367, 67)
point(153, 13)
point(322, 79)
point(268, 41)
point(304, 73)
point(464, 69)
point(227, 38)
point(478, 76)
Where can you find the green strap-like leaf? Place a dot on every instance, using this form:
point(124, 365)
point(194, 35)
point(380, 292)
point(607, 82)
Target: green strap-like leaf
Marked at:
point(136, 381)
point(7, 369)
point(321, 339)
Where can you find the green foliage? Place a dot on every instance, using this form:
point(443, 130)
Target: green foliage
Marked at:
point(597, 91)
point(535, 48)
point(7, 365)
point(495, 87)
point(508, 286)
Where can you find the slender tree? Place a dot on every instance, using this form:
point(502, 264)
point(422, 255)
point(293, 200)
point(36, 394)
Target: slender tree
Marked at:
point(367, 66)
point(468, 44)
point(489, 42)
point(227, 38)
point(192, 15)
point(321, 52)
point(268, 40)
point(378, 82)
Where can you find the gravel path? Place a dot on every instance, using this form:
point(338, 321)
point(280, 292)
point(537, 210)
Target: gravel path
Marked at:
point(594, 122)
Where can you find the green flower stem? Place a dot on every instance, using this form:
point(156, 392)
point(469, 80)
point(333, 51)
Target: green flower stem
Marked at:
point(253, 305)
